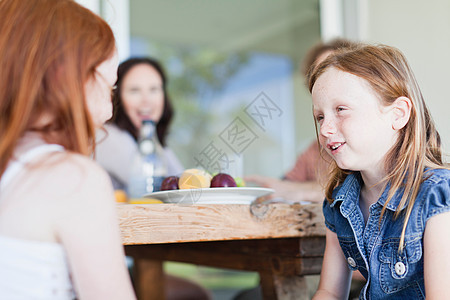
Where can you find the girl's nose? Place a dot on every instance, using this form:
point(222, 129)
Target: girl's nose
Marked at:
point(328, 127)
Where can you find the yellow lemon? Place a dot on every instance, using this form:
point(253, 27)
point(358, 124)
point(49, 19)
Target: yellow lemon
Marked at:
point(121, 196)
point(145, 201)
point(194, 179)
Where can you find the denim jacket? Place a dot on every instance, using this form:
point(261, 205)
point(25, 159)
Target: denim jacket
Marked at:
point(372, 248)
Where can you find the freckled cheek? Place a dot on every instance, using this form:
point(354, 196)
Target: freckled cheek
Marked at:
point(349, 130)
point(322, 141)
point(349, 126)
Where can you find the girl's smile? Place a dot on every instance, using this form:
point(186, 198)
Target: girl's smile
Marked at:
point(354, 128)
point(335, 147)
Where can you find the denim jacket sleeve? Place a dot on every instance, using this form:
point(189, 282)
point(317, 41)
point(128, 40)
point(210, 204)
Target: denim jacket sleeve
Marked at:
point(437, 198)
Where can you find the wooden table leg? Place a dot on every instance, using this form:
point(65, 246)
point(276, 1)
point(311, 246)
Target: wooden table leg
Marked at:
point(281, 263)
point(276, 286)
point(149, 279)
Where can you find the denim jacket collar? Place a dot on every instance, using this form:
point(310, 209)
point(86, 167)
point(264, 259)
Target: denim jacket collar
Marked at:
point(348, 193)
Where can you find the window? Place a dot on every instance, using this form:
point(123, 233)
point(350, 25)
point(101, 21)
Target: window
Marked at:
point(234, 79)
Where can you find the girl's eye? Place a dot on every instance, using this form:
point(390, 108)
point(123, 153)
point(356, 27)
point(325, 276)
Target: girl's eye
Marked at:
point(319, 119)
point(340, 109)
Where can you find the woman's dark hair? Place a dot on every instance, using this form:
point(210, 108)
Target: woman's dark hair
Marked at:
point(120, 117)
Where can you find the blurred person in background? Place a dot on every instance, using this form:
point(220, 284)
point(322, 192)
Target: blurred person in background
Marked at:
point(59, 233)
point(141, 94)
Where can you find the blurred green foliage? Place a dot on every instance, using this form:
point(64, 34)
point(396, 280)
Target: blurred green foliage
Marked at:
point(196, 75)
point(213, 278)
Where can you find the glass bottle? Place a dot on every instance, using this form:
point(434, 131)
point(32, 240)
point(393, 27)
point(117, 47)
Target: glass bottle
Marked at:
point(149, 167)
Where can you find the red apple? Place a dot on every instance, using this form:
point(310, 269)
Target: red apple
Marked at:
point(170, 183)
point(223, 180)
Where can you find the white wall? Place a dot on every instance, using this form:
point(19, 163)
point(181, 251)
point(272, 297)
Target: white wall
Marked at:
point(93, 5)
point(420, 29)
point(117, 14)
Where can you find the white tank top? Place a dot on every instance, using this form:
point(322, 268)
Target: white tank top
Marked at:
point(32, 269)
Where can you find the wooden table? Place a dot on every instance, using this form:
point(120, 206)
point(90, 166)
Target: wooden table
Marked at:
point(282, 242)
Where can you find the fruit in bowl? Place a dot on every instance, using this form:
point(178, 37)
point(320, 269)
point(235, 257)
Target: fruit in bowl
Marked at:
point(197, 179)
point(223, 180)
point(170, 183)
point(240, 182)
point(194, 179)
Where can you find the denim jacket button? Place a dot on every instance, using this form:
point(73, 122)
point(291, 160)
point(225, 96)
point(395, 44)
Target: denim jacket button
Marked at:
point(351, 262)
point(400, 268)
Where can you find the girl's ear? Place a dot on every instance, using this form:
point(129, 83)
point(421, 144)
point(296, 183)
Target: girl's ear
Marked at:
point(401, 112)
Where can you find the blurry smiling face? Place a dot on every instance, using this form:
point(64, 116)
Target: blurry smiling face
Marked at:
point(142, 94)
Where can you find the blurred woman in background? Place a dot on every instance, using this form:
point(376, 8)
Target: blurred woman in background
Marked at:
point(140, 94)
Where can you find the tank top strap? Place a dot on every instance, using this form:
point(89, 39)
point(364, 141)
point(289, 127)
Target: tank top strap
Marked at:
point(16, 166)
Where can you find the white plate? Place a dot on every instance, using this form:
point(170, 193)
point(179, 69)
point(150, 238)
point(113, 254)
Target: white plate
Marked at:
point(230, 195)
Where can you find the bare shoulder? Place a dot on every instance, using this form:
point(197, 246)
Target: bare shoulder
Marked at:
point(82, 193)
point(81, 176)
point(53, 192)
point(66, 176)
point(73, 165)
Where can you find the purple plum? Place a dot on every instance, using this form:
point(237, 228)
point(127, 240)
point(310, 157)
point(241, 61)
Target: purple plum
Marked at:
point(170, 183)
point(223, 180)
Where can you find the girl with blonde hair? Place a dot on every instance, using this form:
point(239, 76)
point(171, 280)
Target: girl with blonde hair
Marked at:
point(387, 201)
point(59, 234)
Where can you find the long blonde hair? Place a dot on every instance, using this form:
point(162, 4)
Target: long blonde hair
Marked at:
point(418, 145)
point(48, 51)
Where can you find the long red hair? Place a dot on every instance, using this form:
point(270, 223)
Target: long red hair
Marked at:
point(48, 51)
